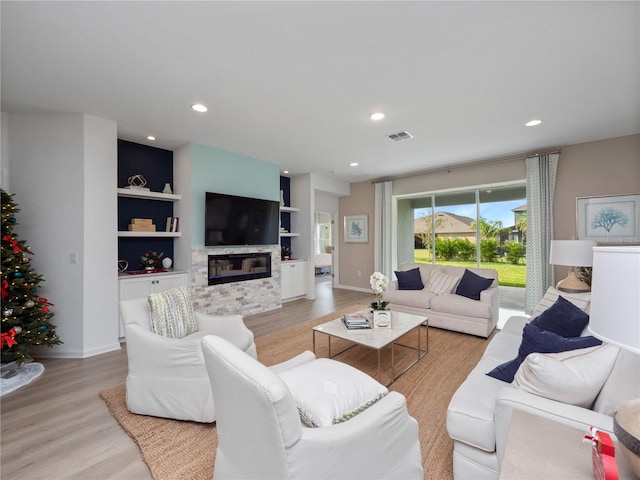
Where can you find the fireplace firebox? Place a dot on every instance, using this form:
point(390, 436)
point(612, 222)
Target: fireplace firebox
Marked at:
point(238, 267)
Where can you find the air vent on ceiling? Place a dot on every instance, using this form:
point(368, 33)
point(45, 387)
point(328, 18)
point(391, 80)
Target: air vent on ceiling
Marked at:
point(404, 135)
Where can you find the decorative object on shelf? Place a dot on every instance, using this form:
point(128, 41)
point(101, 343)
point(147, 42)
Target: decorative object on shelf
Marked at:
point(356, 229)
point(381, 316)
point(609, 219)
point(282, 198)
point(166, 263)
point(137, 182)
point(123, 265)
point(167, 188)
point(615, 318)
point(149, 259)
point(286, 252)
point(572, 253)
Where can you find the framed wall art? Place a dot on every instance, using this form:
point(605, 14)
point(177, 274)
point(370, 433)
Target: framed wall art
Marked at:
point(609, 219)
point(356, 228)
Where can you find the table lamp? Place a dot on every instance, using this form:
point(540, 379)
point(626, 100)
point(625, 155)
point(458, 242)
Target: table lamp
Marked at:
point(615, 319)
point(572, 253)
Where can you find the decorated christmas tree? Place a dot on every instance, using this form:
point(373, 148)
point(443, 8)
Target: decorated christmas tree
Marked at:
point(25, 315)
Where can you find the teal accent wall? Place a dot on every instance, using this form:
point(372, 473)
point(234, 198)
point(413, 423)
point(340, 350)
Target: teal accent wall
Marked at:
point(220, 171)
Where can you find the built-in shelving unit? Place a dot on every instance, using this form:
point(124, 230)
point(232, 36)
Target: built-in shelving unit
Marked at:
point(133, 193)
point(147, 195)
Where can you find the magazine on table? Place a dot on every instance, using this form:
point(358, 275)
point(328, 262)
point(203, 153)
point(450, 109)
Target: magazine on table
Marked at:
point(355, 321)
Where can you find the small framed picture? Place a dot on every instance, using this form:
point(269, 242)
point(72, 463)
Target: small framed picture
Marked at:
point(609, 219)
point(356, 228)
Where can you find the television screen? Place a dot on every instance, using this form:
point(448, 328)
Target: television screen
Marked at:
point(234, 220)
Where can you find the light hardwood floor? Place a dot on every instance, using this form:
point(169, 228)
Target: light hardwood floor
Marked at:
point(59, 428)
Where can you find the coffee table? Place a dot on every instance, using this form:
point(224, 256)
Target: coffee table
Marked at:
point(378, 338)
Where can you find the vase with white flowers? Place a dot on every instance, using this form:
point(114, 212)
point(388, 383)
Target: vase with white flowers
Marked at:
point(381, 315)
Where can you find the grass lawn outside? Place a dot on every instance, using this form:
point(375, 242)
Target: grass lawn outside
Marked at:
point(508, 275)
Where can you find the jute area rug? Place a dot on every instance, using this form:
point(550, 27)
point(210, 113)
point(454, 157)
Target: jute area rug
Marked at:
point(184, 450)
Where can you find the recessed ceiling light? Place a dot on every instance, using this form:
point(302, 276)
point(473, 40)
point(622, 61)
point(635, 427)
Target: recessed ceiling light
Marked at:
point(286, 171)
point(377, 116)
point(198, 107)
point(533, 123)
point(151, 137)
point(353, 164)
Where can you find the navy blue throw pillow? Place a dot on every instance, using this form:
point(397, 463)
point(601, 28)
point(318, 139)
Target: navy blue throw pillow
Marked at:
point(563, 318)
point(535, 340)
point(471, 285)
point(409, 280)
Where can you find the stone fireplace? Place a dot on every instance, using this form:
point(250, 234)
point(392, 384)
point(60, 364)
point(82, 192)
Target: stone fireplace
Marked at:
point(245, 294)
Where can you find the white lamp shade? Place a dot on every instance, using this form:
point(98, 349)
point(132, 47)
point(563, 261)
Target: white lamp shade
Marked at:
point(615, 296)
point(572, 253)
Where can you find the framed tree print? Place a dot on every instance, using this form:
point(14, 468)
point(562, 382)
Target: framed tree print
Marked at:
point(609, 219)
point(356, 228)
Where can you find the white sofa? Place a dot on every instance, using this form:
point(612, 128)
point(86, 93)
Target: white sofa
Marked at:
point(479, 413)
point(448, 311)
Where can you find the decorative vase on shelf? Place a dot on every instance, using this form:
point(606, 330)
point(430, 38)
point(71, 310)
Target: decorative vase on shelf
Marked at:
point(166, 263)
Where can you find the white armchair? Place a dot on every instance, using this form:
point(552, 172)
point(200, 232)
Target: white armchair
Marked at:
point(167, 376)
point(260, 435)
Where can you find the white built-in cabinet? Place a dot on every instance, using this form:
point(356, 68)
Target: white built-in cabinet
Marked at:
point(141, 285)
point(293, 277)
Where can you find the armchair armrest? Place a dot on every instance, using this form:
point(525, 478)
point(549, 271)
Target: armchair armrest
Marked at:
point(229, 327)
point(510, 398)
point(149, 352)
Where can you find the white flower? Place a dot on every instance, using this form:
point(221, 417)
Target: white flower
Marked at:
point(379, 283)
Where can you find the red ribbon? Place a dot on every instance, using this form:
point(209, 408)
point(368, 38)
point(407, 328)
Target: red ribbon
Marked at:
point(13, 242)
point(5, 286)
point(8, 338)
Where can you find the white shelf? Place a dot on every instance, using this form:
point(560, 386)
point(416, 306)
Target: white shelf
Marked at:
point(149, 234)
point(289, 234)
point(289, 209)
point(132, 193)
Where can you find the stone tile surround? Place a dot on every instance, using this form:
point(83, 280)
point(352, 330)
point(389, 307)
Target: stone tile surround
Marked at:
point(245, 298)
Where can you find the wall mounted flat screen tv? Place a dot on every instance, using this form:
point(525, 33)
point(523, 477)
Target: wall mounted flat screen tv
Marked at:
point(234, 220)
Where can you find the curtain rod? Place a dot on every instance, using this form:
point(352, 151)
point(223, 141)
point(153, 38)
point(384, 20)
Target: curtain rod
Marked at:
point(520, 156)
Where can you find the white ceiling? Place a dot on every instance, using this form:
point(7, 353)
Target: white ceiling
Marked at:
point(293, 83)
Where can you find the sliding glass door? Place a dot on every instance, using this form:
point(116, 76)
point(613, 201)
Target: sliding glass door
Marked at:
point(477, 227)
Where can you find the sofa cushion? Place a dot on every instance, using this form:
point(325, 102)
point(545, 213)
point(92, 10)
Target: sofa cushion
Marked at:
point(563, 318)
point(440, 283)
point(540, 341)
point(471, 285)
point(573, 377)
point(426, 269)
point(580, 300)
point(410, 298)
point(171, 312)
point(459, 305)
point(409, 279)
point(329, 392)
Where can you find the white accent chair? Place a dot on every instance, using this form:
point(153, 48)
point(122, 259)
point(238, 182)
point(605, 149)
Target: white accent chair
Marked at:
point(167, 376)
point(260, 435)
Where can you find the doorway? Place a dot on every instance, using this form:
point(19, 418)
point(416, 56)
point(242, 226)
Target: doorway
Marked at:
point(323, 249)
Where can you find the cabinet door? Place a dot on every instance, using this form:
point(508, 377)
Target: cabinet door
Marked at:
point(298, 279)
point(285, 281)
point(165, 282)
point(293, 279)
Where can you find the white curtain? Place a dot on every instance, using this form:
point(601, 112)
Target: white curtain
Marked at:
point(382, 232)
point(541, 183)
